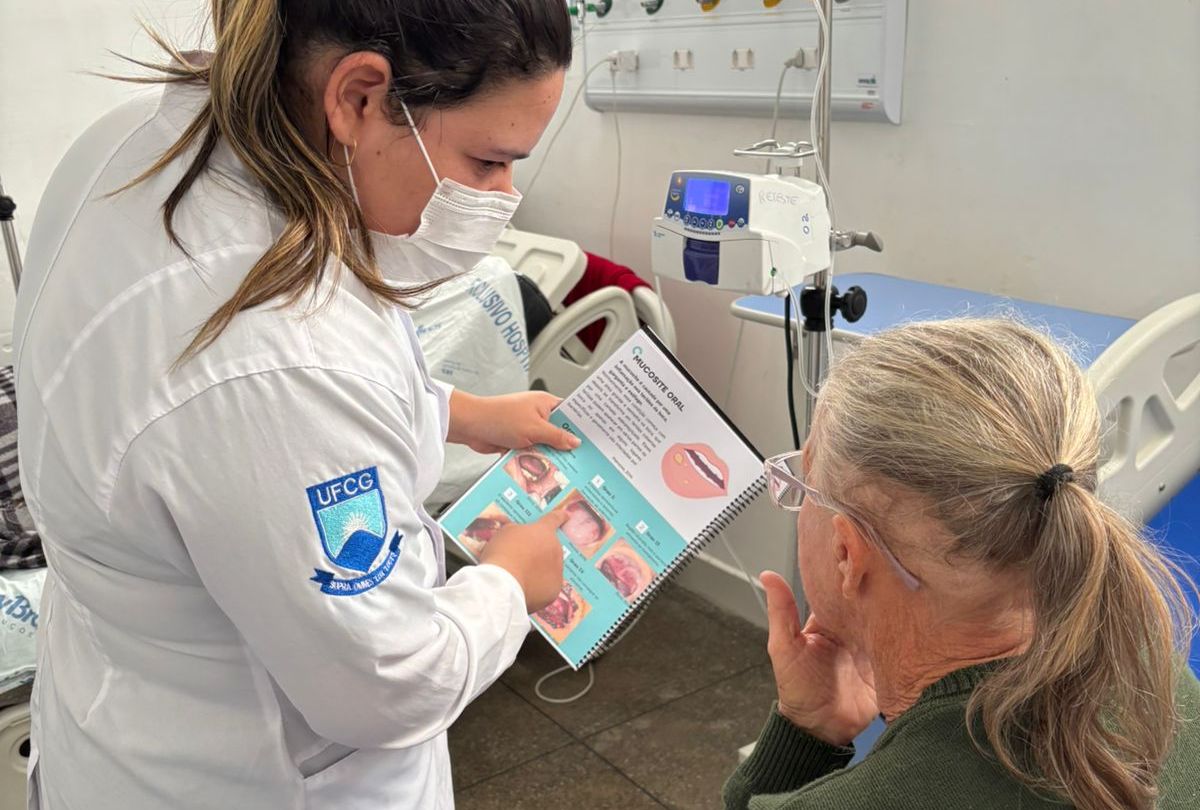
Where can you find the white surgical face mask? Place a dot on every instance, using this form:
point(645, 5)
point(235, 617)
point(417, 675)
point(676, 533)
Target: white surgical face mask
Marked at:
point(459, 228)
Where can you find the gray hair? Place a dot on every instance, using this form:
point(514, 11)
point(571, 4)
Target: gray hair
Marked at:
point(969, 415)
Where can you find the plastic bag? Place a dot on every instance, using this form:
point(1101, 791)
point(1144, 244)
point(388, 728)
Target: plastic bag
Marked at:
point(20, 602)
point(472, 331)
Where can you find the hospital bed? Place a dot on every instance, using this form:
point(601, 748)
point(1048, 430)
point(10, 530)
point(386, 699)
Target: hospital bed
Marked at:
point(1146, 374)
point(558, 360)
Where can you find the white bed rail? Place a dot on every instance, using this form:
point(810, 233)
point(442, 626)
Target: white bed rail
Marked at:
point(1148, 384)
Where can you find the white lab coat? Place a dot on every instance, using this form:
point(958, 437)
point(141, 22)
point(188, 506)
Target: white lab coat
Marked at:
point(190, 654)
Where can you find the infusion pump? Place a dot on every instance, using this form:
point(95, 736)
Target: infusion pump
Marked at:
point(746, 232)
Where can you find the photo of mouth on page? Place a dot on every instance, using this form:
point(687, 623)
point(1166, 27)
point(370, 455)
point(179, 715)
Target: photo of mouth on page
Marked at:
point(536, 475)
point(671, 443)
point(585, 528)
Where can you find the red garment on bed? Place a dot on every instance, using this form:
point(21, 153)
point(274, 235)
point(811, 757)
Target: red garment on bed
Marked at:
point(601, 273)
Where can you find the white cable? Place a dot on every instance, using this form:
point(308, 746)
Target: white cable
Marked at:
point(800, 365)
point(537, 687)
point(787, 327)
point(612, 220)
point(737, 347)
point(775, 113)
point(778, 96)
point(749, 581)
point(579, 41)
point(562, 123)
point(823, 179)
point(662, 312)
point(583, 29)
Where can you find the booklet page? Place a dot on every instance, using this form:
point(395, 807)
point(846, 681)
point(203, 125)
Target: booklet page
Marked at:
point(656, 466)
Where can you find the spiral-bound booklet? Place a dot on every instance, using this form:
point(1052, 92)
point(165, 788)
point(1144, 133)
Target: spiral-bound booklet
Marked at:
point(660, 470)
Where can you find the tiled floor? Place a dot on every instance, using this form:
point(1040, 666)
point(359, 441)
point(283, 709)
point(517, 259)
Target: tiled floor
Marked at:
point(661, 728)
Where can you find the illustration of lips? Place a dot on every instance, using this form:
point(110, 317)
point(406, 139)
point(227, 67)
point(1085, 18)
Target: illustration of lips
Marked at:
point(483, 529)
point(533, 466)
point(695, 471)
point(583, 525)
point(623, 573)
point(560, 613)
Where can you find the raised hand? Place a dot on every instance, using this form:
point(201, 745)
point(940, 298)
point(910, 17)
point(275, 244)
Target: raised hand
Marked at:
point(822, 686)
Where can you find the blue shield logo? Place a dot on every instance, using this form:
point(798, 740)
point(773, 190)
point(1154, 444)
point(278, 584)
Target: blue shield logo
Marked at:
point(351, 520)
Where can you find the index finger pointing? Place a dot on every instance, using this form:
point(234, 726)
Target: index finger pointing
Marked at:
point(555, 518)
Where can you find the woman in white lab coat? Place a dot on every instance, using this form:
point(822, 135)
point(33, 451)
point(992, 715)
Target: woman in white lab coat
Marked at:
point(227, 428)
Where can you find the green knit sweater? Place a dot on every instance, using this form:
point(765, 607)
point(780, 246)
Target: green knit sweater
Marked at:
point(925, 761)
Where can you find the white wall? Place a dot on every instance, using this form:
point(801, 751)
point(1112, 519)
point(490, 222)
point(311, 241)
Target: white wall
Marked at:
point(1049, 151)
point(46, 97)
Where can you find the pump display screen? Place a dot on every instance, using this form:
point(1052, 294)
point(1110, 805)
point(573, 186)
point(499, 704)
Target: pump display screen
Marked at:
point(706, 197)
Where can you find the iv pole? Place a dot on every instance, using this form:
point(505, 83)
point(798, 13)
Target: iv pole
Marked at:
point(12, 249)
point(853, 303)
point(815, 360)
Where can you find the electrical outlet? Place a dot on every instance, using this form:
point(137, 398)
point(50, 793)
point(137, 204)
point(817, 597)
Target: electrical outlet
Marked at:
point(743, 59)
point(683, 59)
point(623, 61)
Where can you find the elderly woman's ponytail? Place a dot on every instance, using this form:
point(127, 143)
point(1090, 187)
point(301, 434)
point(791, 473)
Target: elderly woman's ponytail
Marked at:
point(440, 52)
point(994, 427)
point(1088, 711)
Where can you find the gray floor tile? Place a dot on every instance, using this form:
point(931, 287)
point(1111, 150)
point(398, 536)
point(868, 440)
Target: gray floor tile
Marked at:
point(571, 777)
point(722, 617)
point(683, 752)
point(681, 644)
point(496, 732)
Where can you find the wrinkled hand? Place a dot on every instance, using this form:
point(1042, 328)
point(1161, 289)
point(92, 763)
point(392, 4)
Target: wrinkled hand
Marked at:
point(507, 422)
point(822, 686)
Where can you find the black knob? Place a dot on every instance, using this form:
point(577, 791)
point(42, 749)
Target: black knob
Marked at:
point(853, 304)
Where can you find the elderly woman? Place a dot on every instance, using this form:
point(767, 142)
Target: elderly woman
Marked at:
point(1020, 638)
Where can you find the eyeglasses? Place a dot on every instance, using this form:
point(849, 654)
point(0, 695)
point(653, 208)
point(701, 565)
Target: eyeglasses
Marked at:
point(786, 486)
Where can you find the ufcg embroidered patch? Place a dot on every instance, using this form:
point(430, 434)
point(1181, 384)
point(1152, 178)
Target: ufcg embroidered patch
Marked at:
point(351, 520)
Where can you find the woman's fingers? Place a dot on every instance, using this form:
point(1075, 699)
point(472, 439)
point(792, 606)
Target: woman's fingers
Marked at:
point(783, 620)
point(814, 627)
point(554, 519)
point(547, 402)
point(554, 436)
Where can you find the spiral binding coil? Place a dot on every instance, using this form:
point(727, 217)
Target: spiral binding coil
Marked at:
point(694, 547)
